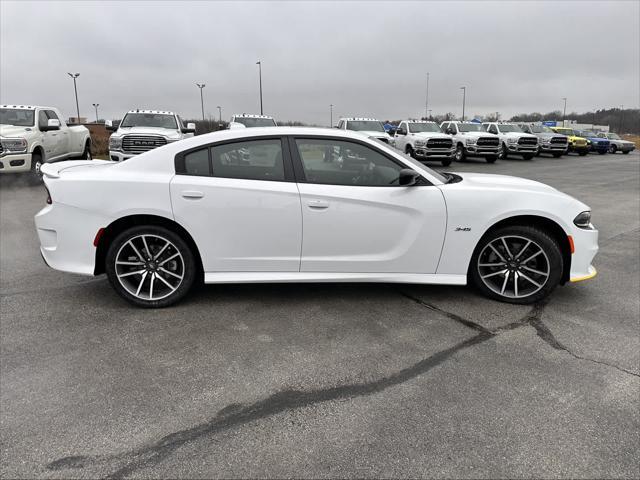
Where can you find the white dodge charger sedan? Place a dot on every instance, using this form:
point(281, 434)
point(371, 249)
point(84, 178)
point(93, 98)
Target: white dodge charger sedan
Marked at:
point(286, 204)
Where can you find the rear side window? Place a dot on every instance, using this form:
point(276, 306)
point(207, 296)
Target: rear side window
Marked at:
point(250, 160)
point(197, 163)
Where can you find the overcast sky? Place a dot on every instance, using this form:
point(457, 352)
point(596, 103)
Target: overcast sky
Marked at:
point(367, 58)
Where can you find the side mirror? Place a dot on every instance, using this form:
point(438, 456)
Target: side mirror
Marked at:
point(52, 124)
point(408, 177)
point(108, 124)
point(191, 128)
point(451, 131)
point(400, 132)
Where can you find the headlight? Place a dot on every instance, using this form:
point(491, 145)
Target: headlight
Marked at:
point(115, 143)
point(420, 143)
point(512, 140)
point(583, 220)
point(471, 141)
point(14, 145)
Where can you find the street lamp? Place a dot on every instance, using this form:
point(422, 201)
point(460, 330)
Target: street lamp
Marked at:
point(464, 98)
point(331, 113)
point(259, 63)
point(220, 114)
point(426, 102)
point(564, 110)
point(96, 105)
point(75, 88)
point(621, 118)
point(201, 86)
point(429, 114)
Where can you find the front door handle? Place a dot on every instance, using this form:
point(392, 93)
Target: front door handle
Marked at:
point(318, 204)
point(193, 194)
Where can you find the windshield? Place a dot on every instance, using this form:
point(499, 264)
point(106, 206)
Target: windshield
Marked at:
point(365, 125)
point(423, 127)
point(156, 120)
point(255, 122)
point(588, 133)
point(540, 129)
point(17, 117)
point(564, 131)
point(470, 127)
point(613, 136)
point(508, 127)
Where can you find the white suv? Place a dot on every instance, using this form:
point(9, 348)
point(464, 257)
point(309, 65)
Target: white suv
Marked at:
point(513, 139)
point(424, 141)
point(471, 140)
point(248, 120)
point(143, 130)
point(369, 127)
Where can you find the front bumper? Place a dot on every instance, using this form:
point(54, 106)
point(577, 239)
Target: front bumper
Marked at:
point(600, 148)
point(516, 148)
point(482, 150)
point(117, 156)
point(585, 249)
point(579, 148)
point(553, 148)
point(15, 163)
point(627, 148)
point(434, 153)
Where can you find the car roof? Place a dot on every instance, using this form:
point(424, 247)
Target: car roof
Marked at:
point(26, 107)
point(162, 112)
point(348, 119)
point(251, 115)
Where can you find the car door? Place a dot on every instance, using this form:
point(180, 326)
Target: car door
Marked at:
point(241, 205)
point(356, 218)
point(49, 138)
point(61, 147)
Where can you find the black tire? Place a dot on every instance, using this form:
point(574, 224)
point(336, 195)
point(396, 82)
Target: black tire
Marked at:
point(446, 162)
point(504, 154)
point(409, 151)
point(613, 149)
point(528, 156)
point(461, 154)
point(35, 176)
point(491, 158)
point(557, 155)
point(626, 152)
point(154, 237)
point(551, 261)
point(86, 154)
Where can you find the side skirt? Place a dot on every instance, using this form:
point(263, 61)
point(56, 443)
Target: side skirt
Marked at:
point(318, 277)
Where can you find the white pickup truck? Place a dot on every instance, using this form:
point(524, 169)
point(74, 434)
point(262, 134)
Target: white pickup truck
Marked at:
point(250, 120)
point(513, 139)
point(32, 135)
point(143, 130)
point(424, 141)
point(369, 127)
point(471, 140)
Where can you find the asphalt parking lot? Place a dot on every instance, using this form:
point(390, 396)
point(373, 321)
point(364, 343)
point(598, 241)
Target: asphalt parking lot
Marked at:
point(327, 380)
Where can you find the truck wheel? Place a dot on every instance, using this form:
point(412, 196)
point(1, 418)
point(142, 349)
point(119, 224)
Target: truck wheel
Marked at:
point(528, 156)
point(35, 176)
point(446, 162)
point(557, 155)
point(460, 154)
point(504, 153)
point(613, 149)
point(491, 158)
point(86, 155)
point(409, 151)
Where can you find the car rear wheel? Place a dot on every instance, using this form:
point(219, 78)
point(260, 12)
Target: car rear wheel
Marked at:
point(517, 264)
point(613, 149)
point(150, 266)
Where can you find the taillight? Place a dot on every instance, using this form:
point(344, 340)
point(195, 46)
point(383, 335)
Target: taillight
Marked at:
point(48, 196)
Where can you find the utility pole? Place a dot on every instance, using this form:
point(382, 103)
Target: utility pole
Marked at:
point(464, 98)
point(429, 114)
point(621, 118)
point(331, 113)
point(201, 86)
point(96, 105)
point(75, 88)
point(564, 110)
point(426, 102)
point(259, 63)
point(220, 116)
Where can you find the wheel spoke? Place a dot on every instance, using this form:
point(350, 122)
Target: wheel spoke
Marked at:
point(506, 247)
point(146, 247)
point(532, 257)
point(530, 280)
point(523, 249)
point(500, 272)
point(121, 262)
point(162, 250)
point(153, 276)
point(504, 284)
point(167, 259)
point(497, 253)
point(170, 273)
point(515, 283)
point(137, 272)
point(159, 277)
point(130, 242)
point(144, 276)
point(501, 264)
point(535, 271)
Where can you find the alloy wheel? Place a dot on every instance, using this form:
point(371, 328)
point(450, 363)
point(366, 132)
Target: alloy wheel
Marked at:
point(513, 266)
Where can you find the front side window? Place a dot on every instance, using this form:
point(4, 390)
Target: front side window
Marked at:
point(155, 120)
point(52, 115)
point(17, 117)
point(249, 160)
point(365, 126)
point(471, 127)
point(336, 162)
point(43, 120)
point(417, 127)
point(508, 127)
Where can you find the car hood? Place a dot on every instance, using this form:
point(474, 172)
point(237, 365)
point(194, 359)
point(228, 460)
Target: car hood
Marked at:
point(431, 135)
point(369, 133)
point(478, 134)
point(13, 131)
point(518, 135)
point(598, 140)
point(164, 132)
point(489, 180)
point(549, 135)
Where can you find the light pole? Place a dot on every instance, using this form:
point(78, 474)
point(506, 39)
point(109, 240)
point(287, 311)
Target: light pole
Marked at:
point(220, 116)
point(426, 102)
point(429, 114)
point(75, 88)
point(201, 86)
point(331, 113)
point(259, 63)
point(464, 98)
point(564, 110)
point(621, 118)
point(96, 105)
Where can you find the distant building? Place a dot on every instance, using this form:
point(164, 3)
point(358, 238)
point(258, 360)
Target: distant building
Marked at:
point(74, 120)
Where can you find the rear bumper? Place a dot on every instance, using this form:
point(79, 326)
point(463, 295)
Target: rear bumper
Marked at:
point(15, 163)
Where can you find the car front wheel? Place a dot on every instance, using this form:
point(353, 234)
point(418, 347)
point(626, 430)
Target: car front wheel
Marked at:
point(613, 149)
point(517, 264)
point(150, 266)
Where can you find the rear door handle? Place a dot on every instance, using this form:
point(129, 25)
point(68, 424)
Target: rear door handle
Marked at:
point(194, 194)
point(318, 204)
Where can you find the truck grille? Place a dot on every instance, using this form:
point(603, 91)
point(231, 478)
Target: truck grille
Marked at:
point(141, 143)
point(488, 142)
point(527, 141)
point(559, 140)
point(439, 143)
point(1, 149)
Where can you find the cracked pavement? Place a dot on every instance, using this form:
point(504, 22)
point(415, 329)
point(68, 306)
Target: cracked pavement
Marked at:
point(327, 380)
